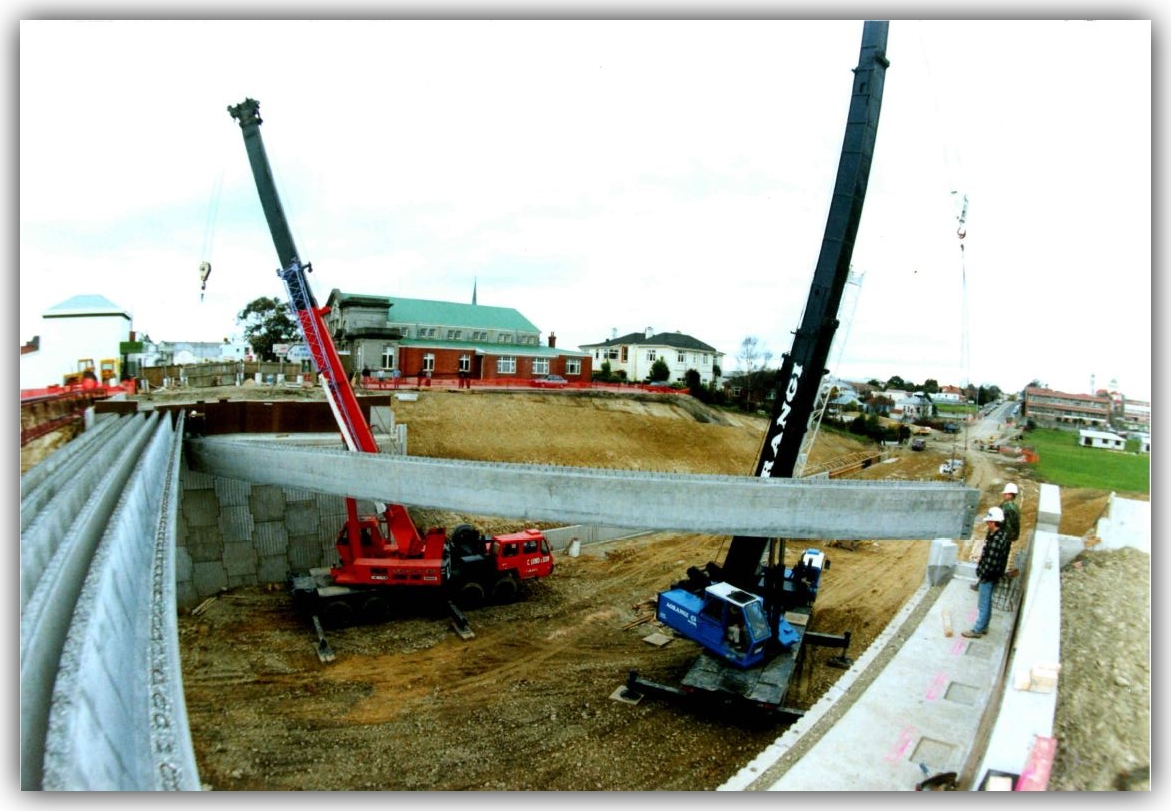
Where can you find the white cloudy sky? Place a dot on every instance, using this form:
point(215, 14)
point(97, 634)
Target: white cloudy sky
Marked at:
point(611, 175)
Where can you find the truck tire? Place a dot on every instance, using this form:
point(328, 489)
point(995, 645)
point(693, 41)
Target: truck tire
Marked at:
point(337, 614)
point(505, 589)
point(375, 609)
point(470, 595)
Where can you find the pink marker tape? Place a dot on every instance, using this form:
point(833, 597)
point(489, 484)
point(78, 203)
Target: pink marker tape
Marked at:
point(938, 684)
point(906, 736)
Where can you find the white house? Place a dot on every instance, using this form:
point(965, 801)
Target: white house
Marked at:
point(184, 353)
point(1100, 439)
point(636, 352)
point(910, 407)
point(949, 394)
point(85, 328)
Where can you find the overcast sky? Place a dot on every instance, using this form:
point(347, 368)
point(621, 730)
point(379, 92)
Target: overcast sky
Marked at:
point(605, 176)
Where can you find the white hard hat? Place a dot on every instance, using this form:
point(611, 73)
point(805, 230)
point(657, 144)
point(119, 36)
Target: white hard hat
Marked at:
point(1009, 489)
point(995, 514)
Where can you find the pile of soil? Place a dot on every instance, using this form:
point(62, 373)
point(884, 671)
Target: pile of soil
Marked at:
point(527, 704)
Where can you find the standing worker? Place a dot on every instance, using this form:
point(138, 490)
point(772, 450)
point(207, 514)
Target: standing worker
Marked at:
point(993, 562)
point(1012, 515)
point(1012, 512)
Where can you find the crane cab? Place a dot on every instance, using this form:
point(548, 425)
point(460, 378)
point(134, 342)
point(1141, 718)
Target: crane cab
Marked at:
point(729, 622)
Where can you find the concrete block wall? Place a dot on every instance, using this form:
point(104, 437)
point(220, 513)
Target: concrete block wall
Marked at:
point(234, 533)
point(560, 538)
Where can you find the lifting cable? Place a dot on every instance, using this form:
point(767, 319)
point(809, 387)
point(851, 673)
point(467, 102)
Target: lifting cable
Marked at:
point(209, 233)
point(953, 172)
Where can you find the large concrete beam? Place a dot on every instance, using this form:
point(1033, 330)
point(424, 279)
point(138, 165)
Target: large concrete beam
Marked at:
point(737, 505)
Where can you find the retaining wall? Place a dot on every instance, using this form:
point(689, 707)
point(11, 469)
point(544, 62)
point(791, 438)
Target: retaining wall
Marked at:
point(233, 533)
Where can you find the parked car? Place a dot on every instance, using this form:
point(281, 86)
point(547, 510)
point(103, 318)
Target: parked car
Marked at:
point(550, 382)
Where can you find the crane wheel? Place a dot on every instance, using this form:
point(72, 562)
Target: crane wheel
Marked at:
point(505, 590)
point(375, 609)
point(337, 614)
point(471, 595)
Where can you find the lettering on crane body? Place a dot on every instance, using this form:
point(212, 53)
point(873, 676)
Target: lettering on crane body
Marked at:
point(783, 418)
point(683, 612)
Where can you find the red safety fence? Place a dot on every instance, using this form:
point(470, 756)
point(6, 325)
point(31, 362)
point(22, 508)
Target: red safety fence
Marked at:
point(43, 411)
point(424, 382)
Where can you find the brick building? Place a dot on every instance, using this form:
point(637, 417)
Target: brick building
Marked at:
point(444, 340)
point(1056, 409)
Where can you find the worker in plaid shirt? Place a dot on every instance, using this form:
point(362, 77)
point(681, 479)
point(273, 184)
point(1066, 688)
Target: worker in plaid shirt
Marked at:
point(992, 565)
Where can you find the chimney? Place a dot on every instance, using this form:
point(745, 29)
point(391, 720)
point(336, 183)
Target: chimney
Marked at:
point(613, 333)
point(650, 331)
point(552, 340)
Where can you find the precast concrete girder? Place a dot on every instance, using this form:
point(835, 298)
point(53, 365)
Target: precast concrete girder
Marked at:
point(739, 505)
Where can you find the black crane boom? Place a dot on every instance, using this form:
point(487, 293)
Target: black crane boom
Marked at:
point(804, 366)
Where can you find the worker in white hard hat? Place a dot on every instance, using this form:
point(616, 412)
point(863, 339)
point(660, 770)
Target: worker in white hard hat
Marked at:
point(1012, 515)
point(1012, 511)
point(992, 565)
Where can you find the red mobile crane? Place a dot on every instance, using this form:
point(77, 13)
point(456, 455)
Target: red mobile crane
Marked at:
point(382, 553)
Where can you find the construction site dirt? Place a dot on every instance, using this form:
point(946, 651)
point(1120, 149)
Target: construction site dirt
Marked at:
point(527, 703)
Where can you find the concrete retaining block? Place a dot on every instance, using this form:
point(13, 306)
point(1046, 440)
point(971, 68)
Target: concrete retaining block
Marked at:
point(301, 514)
point(235, 523)
point(240, 560)
point(272, 568)
point(267, 503)
point(195, 480)
point(271, 537)
point(941, 562)
point(231, 492)
point(201, 508)
point(203, 544)
point(208, 577)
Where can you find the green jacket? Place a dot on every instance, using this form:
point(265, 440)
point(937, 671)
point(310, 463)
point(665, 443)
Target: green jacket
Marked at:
point(1012, 519)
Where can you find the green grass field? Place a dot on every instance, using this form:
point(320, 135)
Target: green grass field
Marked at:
point(952, 409)
point(1063, 462)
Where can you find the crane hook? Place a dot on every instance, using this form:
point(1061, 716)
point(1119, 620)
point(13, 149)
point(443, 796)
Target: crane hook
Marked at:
point(962, 217)
point(204, 272)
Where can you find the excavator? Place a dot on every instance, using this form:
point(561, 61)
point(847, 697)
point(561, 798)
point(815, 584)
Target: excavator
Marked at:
point(380, 556)
point(750, 615)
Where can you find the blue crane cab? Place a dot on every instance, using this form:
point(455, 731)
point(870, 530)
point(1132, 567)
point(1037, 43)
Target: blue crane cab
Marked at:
point(725, 620)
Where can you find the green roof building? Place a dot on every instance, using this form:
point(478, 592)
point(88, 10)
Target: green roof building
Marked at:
point(445, 340)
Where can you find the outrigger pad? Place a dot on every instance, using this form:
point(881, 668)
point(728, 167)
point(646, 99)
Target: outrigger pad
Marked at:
point(324, 650)
point(626, 695)
point(459, 622)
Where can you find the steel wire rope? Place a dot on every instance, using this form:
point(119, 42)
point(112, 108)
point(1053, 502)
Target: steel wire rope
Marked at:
point(953, 172)
point(209, 227)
